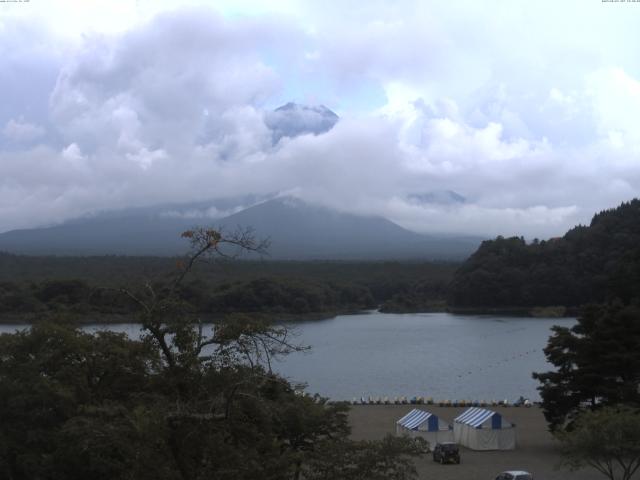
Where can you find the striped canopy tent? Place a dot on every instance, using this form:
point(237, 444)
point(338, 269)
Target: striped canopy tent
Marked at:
point(418, 423)
point(481, 429)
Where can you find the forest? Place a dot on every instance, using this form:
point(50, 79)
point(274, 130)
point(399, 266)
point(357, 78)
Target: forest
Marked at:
point(589, 264)
point(89, 287)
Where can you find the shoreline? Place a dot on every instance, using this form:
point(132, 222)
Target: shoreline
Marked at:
point(558, 311)
point(97, 318)
point(420, 402)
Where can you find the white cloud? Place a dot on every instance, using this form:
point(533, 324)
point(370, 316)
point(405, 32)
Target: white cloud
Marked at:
point(72, 153)
point(206, 214)
point(528, 115)
point(21, 131)
point(616, 103)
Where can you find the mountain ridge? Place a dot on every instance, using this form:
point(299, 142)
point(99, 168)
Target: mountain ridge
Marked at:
point(297, 230)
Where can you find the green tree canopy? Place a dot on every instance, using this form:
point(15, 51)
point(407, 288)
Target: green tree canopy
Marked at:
point(595, 263)
point(607, 439)
point(597, 363)
point(185, 401)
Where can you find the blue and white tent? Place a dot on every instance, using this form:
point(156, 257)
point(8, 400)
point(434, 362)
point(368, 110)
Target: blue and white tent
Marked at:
point(481, 429)
point(418, 423)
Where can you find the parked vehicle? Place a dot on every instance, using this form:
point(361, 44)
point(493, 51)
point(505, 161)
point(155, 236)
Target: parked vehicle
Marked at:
point(515, 475)
point(447, 452)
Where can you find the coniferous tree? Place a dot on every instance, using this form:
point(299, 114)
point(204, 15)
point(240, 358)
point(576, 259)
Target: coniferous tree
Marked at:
point(597, 363)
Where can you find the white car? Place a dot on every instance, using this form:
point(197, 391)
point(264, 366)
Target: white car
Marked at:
point(515, 475)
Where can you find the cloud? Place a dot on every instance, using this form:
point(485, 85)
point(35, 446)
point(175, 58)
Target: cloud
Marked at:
point(169, 83)
point(535, 130)
point(206, 214)
point(21, 131)
point(615, 97)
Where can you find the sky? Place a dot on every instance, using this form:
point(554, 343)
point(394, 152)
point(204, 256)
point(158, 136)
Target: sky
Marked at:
point(527, 109)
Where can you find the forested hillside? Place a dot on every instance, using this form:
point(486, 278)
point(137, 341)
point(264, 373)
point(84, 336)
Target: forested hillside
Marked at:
point(589, 264)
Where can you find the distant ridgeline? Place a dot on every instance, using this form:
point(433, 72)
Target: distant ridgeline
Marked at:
point(591, 264)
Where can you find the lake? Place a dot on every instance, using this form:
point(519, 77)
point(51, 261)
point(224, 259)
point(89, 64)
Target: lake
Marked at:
point(438, 355)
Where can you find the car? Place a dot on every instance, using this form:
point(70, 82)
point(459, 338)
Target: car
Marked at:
point(515, 475)
point(446, 452)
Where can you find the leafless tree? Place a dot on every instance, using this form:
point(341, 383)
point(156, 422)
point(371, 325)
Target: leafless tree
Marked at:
point(181, 337)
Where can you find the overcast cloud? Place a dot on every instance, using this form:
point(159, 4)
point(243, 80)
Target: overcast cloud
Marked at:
point(529, 110)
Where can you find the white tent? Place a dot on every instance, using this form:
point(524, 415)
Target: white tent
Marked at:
point(418, 423)
point(480, 429)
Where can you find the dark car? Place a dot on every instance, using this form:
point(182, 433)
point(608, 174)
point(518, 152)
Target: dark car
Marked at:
point(446, 453)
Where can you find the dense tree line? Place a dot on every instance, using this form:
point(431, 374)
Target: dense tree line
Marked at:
point(279, 295)
point(589, 264)
point(295, 288)
point(264, 295)
point(113, 270)
point(420, 296)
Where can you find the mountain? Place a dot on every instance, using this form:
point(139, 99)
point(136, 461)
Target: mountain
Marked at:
point(296, 229)
point(589, 264)
point(292, 120)
point(439, 197)
point(299, 230)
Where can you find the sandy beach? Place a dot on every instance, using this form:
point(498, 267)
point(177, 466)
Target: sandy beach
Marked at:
point(536, 450)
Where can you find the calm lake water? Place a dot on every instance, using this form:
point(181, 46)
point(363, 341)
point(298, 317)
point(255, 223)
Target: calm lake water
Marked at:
point(440, 355)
